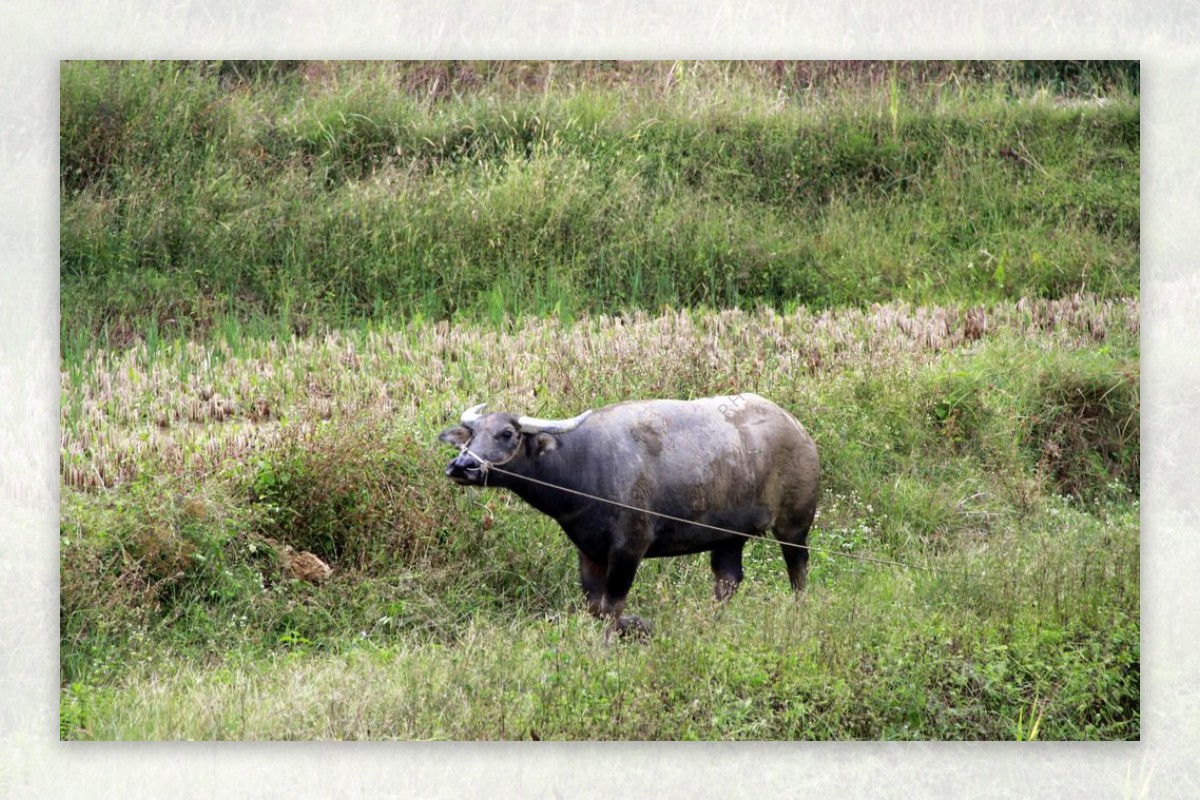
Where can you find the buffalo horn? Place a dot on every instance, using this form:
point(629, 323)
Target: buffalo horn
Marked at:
point(534, 425)
point(472, 414)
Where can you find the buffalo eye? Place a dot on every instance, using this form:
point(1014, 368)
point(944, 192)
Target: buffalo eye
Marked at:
point(506, 434)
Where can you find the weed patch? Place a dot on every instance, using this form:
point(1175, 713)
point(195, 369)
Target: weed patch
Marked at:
point(1087, 428)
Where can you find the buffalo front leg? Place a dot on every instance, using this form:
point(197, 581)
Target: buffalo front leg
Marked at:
point(622, 567)
point(594, 577)
point(591, 577)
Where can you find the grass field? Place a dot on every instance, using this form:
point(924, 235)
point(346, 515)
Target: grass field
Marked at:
point(311, 194)
point(281, 280)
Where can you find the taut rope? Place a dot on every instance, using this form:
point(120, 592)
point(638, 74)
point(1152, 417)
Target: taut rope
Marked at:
point(488, 466)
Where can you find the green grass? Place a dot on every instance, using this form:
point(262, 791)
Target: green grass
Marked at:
point(873, 655)
point(280, 280)
point(1002, 465)
point(307, 195)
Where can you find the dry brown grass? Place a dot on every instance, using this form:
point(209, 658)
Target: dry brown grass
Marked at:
point(191, 407)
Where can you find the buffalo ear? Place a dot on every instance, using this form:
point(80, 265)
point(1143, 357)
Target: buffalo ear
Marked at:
point(543, 443)
point(459, 435)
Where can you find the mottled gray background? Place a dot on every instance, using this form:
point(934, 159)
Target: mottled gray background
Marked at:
point(34, 37)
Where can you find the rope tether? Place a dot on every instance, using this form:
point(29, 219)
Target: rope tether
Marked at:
point(486, 466)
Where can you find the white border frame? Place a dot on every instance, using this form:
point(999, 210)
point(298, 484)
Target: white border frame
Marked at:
point(33, 763)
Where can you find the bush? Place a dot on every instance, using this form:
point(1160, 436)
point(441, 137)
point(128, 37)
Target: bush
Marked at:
point(140, 557)
point(355, 494)
point(1086, 431)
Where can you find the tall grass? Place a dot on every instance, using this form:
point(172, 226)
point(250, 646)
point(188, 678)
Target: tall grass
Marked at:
point(314, 194)
point(992, 448)
point(281, 279)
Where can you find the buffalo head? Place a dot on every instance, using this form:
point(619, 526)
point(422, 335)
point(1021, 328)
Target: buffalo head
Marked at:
point(498, 439)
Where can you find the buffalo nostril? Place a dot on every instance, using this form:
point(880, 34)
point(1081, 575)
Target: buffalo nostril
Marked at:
point(461, 465)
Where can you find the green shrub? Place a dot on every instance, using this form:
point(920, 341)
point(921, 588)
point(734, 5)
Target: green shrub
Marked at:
point(142, 557)
point(1086, 431)
point(357, 494)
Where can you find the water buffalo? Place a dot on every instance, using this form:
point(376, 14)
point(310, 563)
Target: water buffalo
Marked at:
point(740, 463)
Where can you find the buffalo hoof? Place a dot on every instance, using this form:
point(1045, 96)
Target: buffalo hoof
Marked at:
point(629, 627)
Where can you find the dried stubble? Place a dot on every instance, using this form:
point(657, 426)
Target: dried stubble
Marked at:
point(135, 410)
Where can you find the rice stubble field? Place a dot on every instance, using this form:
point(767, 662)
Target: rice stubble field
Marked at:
point(247, 401)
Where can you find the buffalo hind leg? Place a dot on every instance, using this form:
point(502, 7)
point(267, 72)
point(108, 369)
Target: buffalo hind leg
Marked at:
point(793, 539)
point(726, 563)
point(797, 565)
